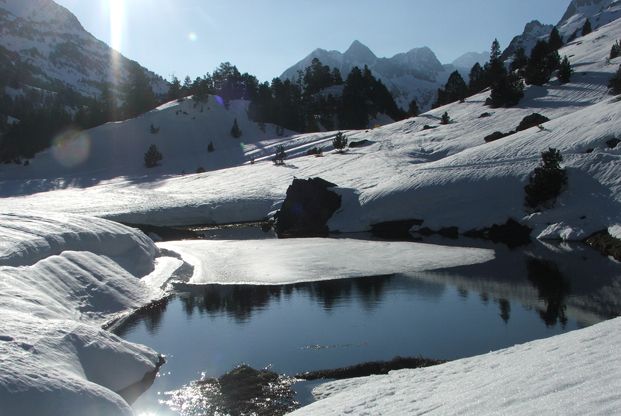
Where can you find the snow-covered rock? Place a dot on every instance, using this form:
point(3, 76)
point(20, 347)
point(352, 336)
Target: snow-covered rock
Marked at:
point(61, 277)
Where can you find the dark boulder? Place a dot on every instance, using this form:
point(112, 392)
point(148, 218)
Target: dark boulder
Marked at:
point(532, 120)
point(511, 233)
point(360, 143)
point(307, 208)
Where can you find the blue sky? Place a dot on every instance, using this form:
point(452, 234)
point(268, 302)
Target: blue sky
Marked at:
point(191, 37)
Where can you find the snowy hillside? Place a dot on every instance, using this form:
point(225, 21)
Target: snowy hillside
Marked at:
point(182, 131)
point(406, 170)
point(48, 45)
point(599, 13)
point(61, 278)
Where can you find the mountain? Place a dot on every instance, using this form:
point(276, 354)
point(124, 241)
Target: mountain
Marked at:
point(44, 46)
point(416, 74)
point(533, 31)
point(467, 60)
point(599, 13)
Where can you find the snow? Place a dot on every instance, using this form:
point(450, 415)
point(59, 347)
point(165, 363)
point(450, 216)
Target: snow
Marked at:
point(406, 172)
point(570, 374)
point(61, 277)
point(291, 261)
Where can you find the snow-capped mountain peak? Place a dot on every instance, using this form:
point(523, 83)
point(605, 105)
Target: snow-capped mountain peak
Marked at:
point(358, 52)
point(48, 46)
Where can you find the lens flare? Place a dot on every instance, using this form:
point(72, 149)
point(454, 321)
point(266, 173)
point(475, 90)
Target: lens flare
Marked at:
point(192, 37)
point(71, 148)
point(117, 16)
point(219, 100)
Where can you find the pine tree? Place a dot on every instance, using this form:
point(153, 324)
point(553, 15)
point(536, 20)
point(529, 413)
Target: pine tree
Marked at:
point(413, 109)
point(445, 119)
point(564, 71)
point(542, 64)
point(174, 92)
point(555, 41)
point(586, 29)
point(478, 79)
point(520, 60)
point(615, 82)
point(339, 142)
point(235, 130)
point(615, 51)
point(210, 147)
point(152, 157)
point(138, 94)
point(507, 92)
point(455, 89)
point(279, 157)
point(546, 182)
point(495, 69)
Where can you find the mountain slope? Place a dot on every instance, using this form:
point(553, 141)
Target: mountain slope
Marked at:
point(416, 74)
point(445, 175)
point(599, 13)
point(48, 48)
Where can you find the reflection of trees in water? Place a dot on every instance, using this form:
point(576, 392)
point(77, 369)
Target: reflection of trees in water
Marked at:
point(552, 287)
point(151, 315)
point(237, 301)
point(505, 309)
point(240, 301)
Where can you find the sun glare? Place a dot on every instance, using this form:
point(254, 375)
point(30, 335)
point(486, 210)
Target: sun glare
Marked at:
point(117, 11)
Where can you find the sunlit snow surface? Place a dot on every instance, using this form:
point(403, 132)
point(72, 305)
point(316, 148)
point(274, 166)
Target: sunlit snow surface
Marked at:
point(61, 277)
point(313, 259)
point(577, 373)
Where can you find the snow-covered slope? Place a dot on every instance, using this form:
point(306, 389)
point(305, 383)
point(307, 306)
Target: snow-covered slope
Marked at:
point(570, 374)
point(599, 13)
point(61, 277)
point(416, 74)
point(184, 131)
point(446, 176)
point(48, 44)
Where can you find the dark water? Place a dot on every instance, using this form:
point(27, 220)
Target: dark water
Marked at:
point(530, 293)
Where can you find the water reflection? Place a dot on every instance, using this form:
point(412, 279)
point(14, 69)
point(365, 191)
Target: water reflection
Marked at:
point(552, 288)
point(521, 295)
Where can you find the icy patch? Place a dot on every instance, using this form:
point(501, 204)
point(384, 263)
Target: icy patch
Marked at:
point(576, 373)
point(313, 259)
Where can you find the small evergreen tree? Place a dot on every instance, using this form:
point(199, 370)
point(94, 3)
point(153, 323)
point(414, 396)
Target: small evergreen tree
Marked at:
point(586, 29)
point(210, 147)
point(339, 142)
point(520, 60)
point(615, 82)
point(152, 157)
point(565, 71)
point(454, 90)
point(279, 157)
point(507, 92)
point(555, 41)
point(546, 182)
point(477, 79)
point(413, 109)
point(445, 119)
point(615, 50)
point(542, 64)
point(235, 130)
point(174, 92)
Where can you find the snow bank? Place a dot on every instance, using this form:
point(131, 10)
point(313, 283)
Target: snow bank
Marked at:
point(313, 259)
point(61, 277)
point(576, 373)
